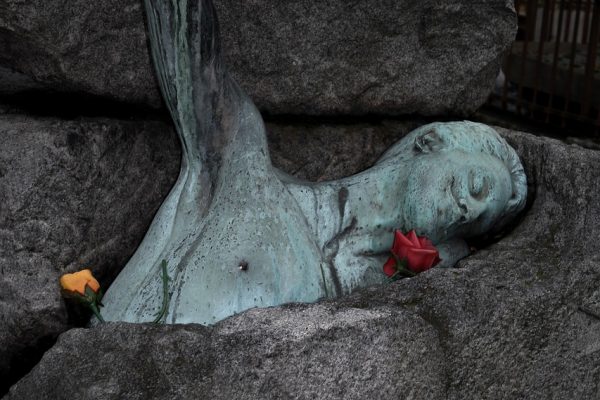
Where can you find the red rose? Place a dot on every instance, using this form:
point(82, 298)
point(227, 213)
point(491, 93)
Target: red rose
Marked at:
point(417, 253)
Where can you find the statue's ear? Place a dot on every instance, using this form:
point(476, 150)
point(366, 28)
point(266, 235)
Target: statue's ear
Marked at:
point(429, 142)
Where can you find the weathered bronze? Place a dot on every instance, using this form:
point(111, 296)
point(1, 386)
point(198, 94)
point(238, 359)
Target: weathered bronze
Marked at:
point(237, 233)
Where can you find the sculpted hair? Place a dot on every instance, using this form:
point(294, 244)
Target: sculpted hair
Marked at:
point(470, 137)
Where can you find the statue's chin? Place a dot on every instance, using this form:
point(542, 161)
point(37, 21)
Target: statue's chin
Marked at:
point(423, 219)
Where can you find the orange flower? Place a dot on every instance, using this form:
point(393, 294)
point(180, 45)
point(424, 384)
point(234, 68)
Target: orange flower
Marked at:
point(76, 282)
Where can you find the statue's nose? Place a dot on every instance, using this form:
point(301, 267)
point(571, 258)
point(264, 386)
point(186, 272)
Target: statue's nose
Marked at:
point(470, 209)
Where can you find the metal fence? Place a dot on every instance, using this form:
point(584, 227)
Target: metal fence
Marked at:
point(552, 73)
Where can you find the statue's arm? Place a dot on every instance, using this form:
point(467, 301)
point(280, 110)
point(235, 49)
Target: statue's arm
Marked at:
point(187, 57)
point(452, 251)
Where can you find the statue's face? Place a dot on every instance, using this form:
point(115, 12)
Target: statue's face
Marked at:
point(455, 194)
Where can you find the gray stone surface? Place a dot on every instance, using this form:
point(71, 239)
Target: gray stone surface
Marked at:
point(382, 57)
point(292, 57)
point(79, 46)
point(325, 150)
point(519, 319)
point(73, 194)
point(12, 82)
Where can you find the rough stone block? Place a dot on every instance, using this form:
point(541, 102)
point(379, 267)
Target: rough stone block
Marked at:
point(291, 57)
point(73, 194)
point(518, 319)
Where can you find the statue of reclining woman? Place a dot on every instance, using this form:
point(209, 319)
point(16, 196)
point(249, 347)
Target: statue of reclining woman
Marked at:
point(297, 241)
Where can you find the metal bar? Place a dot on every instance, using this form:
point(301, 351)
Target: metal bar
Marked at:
point(531, 15)
point(555, 59)
point(549, 90)
point(568, 89)
point(532, 7)
point(509, 61)
point(570, 115)
point(568, 27)
point(540, 55)
point(590, 66)
point(586, 22)
point(551, 27)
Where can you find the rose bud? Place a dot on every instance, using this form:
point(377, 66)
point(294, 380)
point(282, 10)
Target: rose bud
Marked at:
point(83, 287)
point(410, 254)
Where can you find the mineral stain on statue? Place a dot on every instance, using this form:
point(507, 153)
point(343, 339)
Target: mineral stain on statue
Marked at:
point(299, 241)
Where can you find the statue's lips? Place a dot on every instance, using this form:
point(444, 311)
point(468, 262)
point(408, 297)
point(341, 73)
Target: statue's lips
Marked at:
point(379, 245)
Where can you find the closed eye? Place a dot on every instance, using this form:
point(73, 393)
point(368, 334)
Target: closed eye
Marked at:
point(479, 186)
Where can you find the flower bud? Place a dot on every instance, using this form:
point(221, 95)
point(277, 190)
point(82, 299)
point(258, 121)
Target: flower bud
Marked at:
point(77, 282)
point(82, 286)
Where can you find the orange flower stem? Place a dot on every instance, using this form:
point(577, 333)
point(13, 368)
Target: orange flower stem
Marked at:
point(96, 311)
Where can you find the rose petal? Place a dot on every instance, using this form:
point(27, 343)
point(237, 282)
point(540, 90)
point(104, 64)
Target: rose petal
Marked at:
point(93, 284)
point(389, 268)
point(401, 245)
point(412, 236)
point(71, 283)
point(91, 281)
point(420, 260)
point(426, 243)
point(76, 282)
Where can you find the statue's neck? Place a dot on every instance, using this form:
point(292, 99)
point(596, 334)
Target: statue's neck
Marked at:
point(366, 205)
